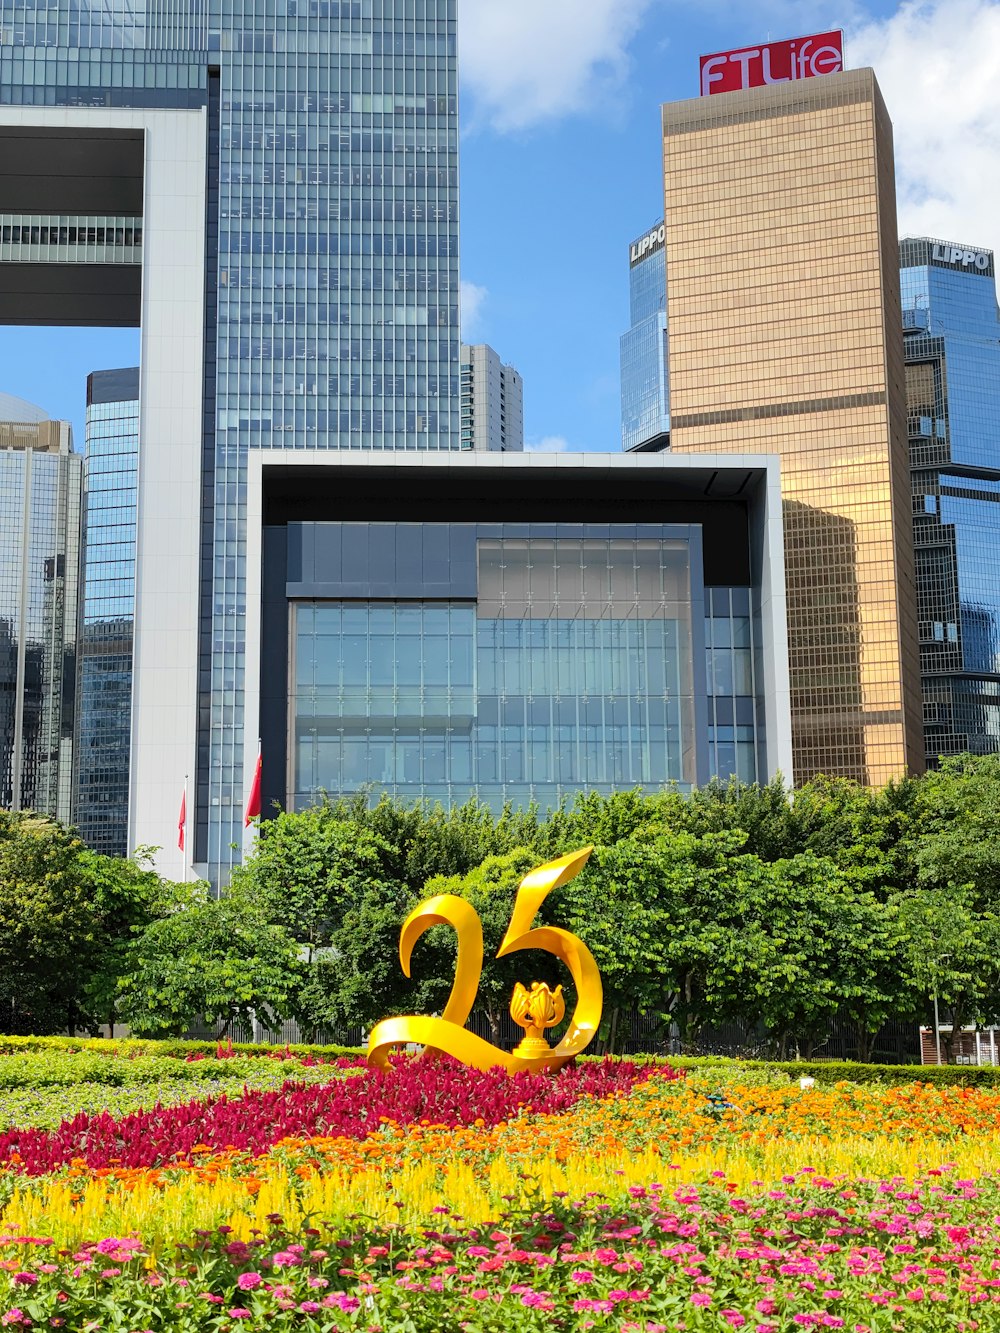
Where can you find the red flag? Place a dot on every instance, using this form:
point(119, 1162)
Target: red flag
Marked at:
point(182, 819)
point(253, 800)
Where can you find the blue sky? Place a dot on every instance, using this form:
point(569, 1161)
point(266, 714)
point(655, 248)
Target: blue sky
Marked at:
point(560, 170)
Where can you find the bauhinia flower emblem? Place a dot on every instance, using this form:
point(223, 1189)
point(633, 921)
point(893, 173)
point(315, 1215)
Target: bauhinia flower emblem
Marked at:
point(534, 1009)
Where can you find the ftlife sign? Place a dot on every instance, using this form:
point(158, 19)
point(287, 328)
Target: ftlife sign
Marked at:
point(772, 62)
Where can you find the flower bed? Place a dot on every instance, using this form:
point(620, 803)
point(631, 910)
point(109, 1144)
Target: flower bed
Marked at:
point(43, 1089)
point(813, 1253)
point(254, 1122)
point(611, 1195)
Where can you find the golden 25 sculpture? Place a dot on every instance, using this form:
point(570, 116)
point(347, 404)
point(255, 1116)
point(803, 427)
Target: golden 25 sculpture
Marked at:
point(534, 1008)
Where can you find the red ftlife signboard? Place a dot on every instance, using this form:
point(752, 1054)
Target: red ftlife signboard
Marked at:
point(772, 62)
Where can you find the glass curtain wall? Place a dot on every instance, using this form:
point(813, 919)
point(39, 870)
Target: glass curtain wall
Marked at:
point(39, 590)
point(105, 699)
point(732, 649)
point(572, 669)
point(333, 286)
point(644, 388)
point(952, 342)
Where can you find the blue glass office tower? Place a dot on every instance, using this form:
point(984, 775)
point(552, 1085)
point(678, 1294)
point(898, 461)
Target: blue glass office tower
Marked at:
point(104, 673)
point(644, 390)
point(952, 340)
point(331, 259)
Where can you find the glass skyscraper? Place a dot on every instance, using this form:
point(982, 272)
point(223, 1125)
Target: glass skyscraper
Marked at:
point(952, 343)
point(331, 290)
point(40, 488)
point(105, 667)
point(644, 389)
point(783, 310)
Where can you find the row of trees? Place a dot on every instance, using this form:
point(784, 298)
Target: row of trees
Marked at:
point(746, 905)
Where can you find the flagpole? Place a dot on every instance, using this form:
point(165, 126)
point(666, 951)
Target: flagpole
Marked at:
point(252, 808)
point(185, 828)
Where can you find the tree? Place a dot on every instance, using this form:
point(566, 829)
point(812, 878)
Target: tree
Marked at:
point(761, 812)
point(955, 840)
point(48, 925)
point(356, 979)
point(599, 819)
point(953, 954)
point(307, 870)
point(125, 897)
point(619, 905)
point(218, 959)
point(429, 840)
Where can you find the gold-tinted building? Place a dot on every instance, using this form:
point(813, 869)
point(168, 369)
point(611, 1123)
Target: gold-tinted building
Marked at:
point(785, 337)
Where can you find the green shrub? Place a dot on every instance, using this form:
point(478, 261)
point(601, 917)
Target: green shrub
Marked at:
point(715, 1079)
point(839, 1071)
point(175, 1048)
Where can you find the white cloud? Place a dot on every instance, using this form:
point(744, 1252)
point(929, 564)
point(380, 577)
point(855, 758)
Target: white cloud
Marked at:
point(938, 65)
point(549, 444)
point(528, 61)
point(472, 299)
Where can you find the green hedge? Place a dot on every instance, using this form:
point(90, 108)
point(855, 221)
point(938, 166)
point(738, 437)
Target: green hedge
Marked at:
point(850, 1071)
point(134, 1046)
point(823, 1071)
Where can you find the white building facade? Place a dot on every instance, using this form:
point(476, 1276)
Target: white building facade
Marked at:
point(492, 411)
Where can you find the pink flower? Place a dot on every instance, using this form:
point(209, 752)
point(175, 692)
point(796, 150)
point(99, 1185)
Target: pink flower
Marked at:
point(700, 1298)
point(341, 1301)
point(248, 1281)
point(733, 1318)
point(537, 1300)
point(25, 1279)
point(240, 1313)
point(310, 1307)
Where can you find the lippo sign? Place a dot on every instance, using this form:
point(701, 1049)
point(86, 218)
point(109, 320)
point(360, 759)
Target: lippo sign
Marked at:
point(772, 62)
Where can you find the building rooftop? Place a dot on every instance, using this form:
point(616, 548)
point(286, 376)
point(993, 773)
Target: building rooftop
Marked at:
point(20, 410)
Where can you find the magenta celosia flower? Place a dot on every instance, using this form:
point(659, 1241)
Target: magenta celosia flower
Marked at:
point(406, 1093)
